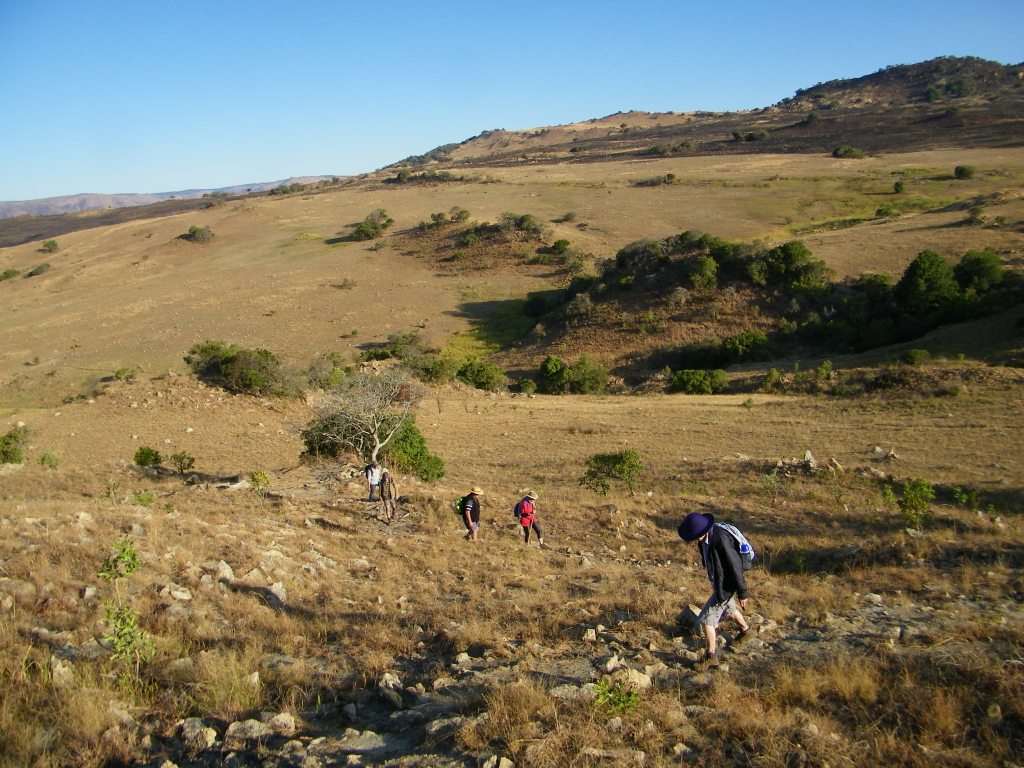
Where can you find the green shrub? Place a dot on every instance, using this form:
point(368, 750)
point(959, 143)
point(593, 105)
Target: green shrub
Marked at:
point(7, 274)
point(327, 370)
point(482, 375)
point(979, 271)
point(748, 345)
point(408, 452)
point(197, 234)
point(772, 381)
point(963, 172)
point(898, 188)
point(588, 377)
point(527, 386)
point(927, 285)
point(432, 368)
point(143, 498)
point(915, 356)
point(703, 273)
point(698, 382)
point(373, 225)
point(250, 371)
point(147, 457)
point(846, 152)
point(12, 446)
point(559, 247)
point(49, 459)
point(50, 246)
point(553, 376)
point(625, 466)
point(182, 462)
point(915, 503)
point(38, 269)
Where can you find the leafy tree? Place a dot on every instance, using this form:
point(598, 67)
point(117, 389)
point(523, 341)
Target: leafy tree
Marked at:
point(554, 376)
point(928, 285)
point(704, 273)
point(364, 414)
point(482, 375)
point(588, 377)
point(147, 457)
point(979, 271)
point(12, 446)
point(408, 452)
point(625, 466)
point(373, 225)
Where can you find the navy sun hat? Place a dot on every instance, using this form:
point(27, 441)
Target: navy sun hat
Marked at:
point(695, 525)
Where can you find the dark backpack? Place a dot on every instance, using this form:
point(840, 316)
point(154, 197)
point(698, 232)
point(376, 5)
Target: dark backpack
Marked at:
point(747, 554)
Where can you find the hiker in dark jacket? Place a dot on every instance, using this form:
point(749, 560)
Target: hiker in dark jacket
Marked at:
point(721, 559)
point(469, 508)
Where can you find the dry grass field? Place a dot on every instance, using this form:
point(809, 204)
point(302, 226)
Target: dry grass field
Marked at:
point(293, 627)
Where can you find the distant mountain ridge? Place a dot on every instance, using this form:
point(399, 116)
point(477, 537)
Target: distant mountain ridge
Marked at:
point(49, 206)
point(961, 101)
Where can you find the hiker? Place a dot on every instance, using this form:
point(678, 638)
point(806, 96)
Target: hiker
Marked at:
point(372, 472)
point(470, 509)
point(388, 495)
point(721, 558)
point(526, 513)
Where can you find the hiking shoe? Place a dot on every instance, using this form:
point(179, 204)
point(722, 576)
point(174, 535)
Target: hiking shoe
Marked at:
point(710, 662)
point(743, 636)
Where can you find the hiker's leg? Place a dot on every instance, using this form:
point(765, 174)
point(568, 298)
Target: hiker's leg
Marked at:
point(736, 615)
point(538, 531)
point(526, 534)
point(708, 618)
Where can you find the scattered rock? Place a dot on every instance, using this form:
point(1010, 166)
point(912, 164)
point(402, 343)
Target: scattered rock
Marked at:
point(246, 730)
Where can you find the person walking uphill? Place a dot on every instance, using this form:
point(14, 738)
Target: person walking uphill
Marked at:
point(372, 479)
point(526, 511)
point(721, 558)
point(388, 495)
point(469, 507)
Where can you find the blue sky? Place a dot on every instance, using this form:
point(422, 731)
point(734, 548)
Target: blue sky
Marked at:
point(165, 95)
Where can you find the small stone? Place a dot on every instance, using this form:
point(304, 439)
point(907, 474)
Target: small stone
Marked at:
point(247, 730)
point(350, 711)
point(590, 636)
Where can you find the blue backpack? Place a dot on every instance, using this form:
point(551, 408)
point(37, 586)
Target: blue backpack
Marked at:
point(747, 554)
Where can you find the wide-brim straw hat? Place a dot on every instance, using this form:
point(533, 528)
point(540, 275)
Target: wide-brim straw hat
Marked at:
point(477, 490)
point(531, 495)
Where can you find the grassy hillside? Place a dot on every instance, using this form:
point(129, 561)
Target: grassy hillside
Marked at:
point(277, 619)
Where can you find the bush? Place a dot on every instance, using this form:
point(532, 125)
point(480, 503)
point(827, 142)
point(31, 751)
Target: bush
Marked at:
point(408, 452)
point(527, 386)
point(482, 375)
point(963, 172)
point(553, 376)
point(12, 446)
point(250, 371)
point(327, 370)
point(38, 269)
point(704, 274)
point(898, 188)
point(979, 271)
point(748, 345)
point(50, 246)
point(915, 357)
point(588, 377)
point(915, 503)
point(182, 462)
point(698, 382)
point(147, 457)
point(624, 466)
point(197, 234)
point(846, 152)
point(373, 225)
point(7, 274)
point(49, 459)
point(927, 285)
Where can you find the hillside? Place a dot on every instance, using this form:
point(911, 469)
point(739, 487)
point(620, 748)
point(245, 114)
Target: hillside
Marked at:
point(240, 603)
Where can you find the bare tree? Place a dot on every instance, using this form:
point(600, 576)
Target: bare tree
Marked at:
point(364, 412)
